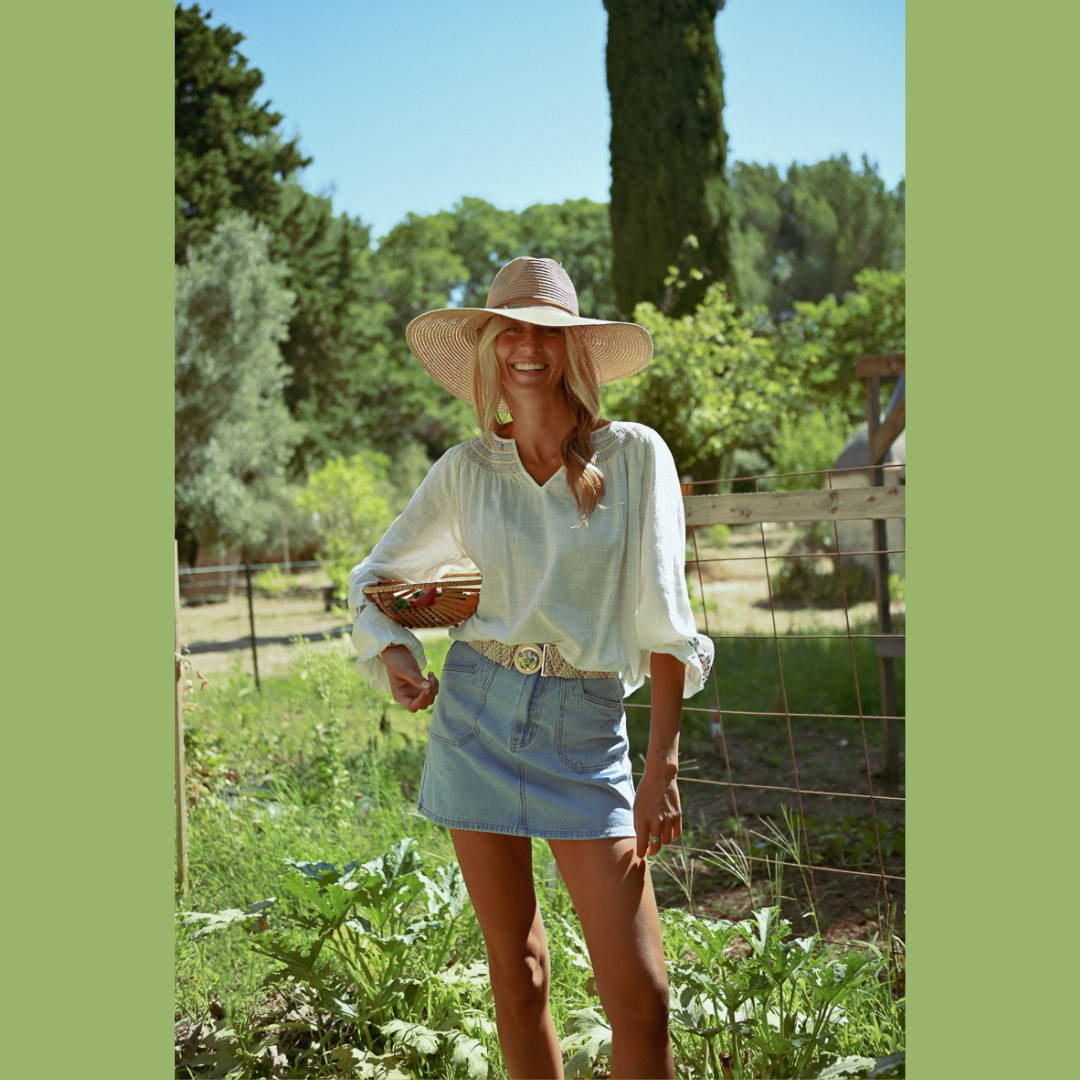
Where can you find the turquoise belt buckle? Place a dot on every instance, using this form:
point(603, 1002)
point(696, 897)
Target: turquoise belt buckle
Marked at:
point(528, 658)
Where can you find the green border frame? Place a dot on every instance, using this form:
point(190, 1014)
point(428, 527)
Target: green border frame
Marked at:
point(87, 547)
point(991, 179)
point(87, 435)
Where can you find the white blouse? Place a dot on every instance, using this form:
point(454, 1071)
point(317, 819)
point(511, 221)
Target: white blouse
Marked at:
point(608, 592)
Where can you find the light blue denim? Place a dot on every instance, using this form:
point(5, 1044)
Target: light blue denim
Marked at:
point(527, 755)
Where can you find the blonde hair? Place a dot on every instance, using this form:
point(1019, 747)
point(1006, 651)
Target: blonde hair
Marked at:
point(581, 384)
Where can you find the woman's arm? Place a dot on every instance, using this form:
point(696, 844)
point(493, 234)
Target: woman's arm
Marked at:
point(657, 811)
point(416, 547)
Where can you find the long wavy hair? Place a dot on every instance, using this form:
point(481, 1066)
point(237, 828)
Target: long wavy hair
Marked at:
point(582, 392)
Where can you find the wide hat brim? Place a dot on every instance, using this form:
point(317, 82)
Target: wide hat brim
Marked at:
point(444, 341)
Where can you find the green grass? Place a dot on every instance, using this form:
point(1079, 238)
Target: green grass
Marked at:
point(318, 768)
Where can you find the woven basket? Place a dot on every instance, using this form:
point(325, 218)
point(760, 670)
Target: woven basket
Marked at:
point(456, 598)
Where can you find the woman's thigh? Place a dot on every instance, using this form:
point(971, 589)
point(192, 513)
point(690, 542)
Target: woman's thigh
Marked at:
point(613, 896)
point(498, 874)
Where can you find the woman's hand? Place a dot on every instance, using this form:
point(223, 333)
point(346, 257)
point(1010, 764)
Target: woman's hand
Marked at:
point(657, 810)
point(410, 689)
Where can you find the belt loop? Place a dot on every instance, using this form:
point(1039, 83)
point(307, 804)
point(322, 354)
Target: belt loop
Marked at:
point(543, 665)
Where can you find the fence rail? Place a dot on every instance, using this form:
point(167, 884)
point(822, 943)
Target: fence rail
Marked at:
point(238, 567)
point(839, 504)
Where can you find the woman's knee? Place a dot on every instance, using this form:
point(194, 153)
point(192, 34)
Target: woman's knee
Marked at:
point(641, 1009)
point(522, 983)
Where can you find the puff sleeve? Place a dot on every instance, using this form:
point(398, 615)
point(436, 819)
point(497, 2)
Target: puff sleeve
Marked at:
point(664, 621)
point(423, 544)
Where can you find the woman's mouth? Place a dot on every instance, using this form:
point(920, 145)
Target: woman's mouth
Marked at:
point(528, 367)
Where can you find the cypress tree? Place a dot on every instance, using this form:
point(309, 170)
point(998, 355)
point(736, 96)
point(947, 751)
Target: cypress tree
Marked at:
point(668, 149)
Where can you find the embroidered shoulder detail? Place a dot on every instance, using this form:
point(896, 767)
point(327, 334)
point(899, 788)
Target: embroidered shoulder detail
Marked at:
point(491, 454)
point(611, 439)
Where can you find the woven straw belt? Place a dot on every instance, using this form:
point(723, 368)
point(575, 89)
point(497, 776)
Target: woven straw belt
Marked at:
point(532, 658)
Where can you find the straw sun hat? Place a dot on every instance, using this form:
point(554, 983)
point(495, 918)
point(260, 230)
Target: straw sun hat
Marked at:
point(535, 291)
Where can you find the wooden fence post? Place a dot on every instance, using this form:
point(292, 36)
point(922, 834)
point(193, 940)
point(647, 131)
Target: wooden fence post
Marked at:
point(181, 787)
point(879, 438)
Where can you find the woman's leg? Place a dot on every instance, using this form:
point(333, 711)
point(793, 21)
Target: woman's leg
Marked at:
point(613, 896)
point(498, 874)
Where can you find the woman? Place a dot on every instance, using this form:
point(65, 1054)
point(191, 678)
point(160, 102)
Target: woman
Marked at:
point(583, 595)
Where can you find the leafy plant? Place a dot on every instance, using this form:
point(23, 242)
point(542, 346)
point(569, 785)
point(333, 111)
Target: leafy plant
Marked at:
point(273, 581)
point(806, 580)
point(328, 673)
point(376, 952)
point(808, 442)
point(349, 500)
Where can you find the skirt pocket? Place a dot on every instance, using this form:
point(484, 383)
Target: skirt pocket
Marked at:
point(462, 694)
point(592, 725)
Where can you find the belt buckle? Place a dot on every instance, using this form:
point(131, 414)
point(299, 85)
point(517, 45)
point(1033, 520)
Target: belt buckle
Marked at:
point(529, 658)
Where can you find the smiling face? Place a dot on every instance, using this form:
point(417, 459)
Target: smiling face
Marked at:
point(531, 359)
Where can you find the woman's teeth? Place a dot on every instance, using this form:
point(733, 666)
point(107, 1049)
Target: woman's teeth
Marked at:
point(529, 367)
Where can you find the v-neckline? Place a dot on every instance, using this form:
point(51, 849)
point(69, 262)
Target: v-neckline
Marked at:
point(512, 442)
point(521, 464)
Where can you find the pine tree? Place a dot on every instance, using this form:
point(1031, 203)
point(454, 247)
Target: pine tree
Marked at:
point(229, 155)
point(668, 149)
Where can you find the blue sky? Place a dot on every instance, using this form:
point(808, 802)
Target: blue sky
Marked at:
point(408, 105)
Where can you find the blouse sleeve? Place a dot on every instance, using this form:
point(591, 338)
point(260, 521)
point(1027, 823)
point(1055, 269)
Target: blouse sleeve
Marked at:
point(421, 545)
point(664, 620)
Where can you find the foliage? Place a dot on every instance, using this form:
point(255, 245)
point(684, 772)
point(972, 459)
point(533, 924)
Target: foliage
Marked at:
point(807, 235)
point(806, 581)
point(668, 147)
point(354, 383)
point(807, 442)
point(290, 534)
point(376, 952)
point(399, 988)
point(454, 255)
point(779, 1010)
point(577, 234)
point(229, 155)
point(233, 432)
point(824, 339)
point(714, 385)
point(272, 581)
point(349, 498)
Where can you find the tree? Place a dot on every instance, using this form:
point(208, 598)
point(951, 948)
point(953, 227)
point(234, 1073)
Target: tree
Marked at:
point(234, 435)
point(756, 195)
point(714, 387)
point(824, 340)
point(353, 383)
point(350, 501)
point(805, 236)
point(668, 148)
point(577, 234)
point(229, 154)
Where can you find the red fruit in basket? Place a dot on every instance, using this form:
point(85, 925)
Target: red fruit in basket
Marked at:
point(427, 599)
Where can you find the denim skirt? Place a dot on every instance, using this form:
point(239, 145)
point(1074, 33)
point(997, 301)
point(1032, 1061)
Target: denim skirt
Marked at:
point(527, 755)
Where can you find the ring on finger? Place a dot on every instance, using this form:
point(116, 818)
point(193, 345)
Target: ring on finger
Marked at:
point(655, 840)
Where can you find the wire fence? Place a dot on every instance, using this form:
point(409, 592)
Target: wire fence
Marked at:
point(775, 716)
point(212, 584)
point(800, 720)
